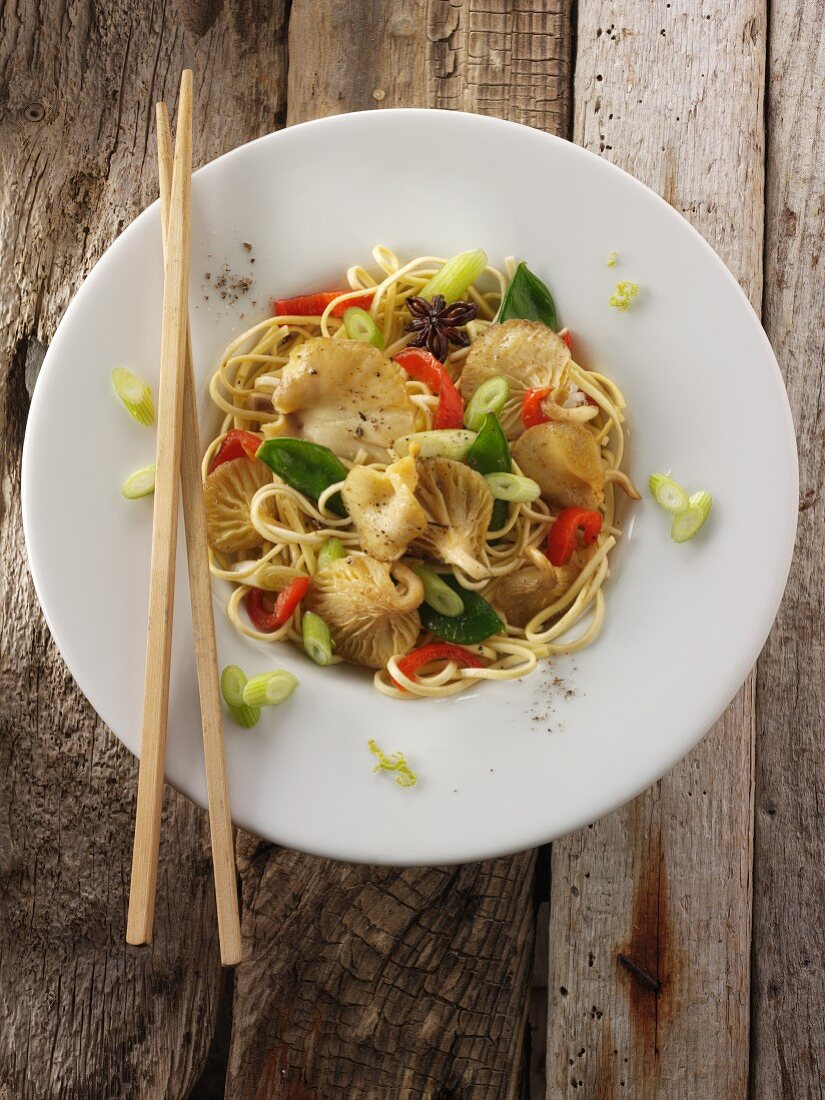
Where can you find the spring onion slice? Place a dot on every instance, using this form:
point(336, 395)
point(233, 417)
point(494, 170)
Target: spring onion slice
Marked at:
point(668, 493)
point(397, 762)
point(135, 395)
point(438, 594)
point(513, 487)
point(691, 521)
point(139, 484)
point(456, 276)
point(452, 443)
point(330, 551)
point(317, 639)
point(360, 325)
point(269, 689)
point(233, 682)
point(490, 397)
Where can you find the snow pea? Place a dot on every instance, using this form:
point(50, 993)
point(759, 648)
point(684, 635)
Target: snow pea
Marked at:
point(477, 621)
point(528, 297)
point(490, 454)
point(308, 467)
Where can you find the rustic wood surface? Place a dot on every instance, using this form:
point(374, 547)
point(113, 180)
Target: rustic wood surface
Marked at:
point(666, 882)
point(788, 1034)
point(437, 982)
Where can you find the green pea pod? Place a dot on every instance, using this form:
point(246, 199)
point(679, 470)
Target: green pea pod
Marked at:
point(477, 621)
point(528, 297)
point(307, 467)
point(490, 454)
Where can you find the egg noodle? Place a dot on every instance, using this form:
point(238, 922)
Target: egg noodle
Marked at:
point(293, 528)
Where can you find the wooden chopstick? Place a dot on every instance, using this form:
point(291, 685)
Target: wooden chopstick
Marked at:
point(203, 623)
point(164, 535)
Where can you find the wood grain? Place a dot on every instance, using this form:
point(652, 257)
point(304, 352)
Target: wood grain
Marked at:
point(666, 882)
point(788, 1047)
point(364, 982)
point(81, 1015)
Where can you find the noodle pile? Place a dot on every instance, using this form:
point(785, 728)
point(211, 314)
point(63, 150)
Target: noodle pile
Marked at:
point(294, 528)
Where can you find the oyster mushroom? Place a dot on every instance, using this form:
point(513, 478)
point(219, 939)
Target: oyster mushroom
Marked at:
point(383, 508)
point(565, 460)
point(345, 395)
point(368, 616)
point(529, 355)
point(458, 505)
point(523, 594)
point(227, 496)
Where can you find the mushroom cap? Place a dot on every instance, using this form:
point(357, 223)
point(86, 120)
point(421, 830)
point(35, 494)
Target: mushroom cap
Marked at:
point(383, 508)
point(565, 460)
point(458, 505)
point(370, 618)
point(227, 495)
point(524, 593)
point(345, 395)
point(527, 353)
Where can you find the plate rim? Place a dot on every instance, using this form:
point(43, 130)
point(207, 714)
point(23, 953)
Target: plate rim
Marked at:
point(678, 751)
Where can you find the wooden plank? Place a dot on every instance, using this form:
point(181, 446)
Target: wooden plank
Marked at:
point(673, 94)
point(788, 1041)
point(81, 1014)
point(364, 982)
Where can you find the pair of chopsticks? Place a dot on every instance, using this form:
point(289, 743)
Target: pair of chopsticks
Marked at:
point(178, 463)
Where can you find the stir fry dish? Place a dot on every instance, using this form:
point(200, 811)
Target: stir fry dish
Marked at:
point(414, 475)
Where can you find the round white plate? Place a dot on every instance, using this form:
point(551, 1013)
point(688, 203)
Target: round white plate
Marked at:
point(504, 766)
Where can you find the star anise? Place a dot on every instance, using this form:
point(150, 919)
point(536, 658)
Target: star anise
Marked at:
point(436, 324)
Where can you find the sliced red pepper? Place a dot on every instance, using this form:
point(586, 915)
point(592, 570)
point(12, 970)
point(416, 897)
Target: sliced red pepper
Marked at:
point(423, 366)
point(313, 305)
point(437, 651)
point(532, 412)
point(285, 603)
point(561, 541)
point(567, 336)
point(235, 444)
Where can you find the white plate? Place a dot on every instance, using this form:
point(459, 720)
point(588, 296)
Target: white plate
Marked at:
point(504, 766)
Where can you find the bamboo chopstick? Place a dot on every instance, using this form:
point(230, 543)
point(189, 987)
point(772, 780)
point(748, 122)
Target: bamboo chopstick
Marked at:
point(200, 589)
point(164, 535)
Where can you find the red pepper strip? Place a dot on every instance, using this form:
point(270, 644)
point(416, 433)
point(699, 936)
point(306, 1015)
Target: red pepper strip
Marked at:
point(424, 367)
point(561, 542)
point(235, 444)
point(313, 305)
point(437, 651)
point(531, 411)
point(285, 603)
point(567, 336)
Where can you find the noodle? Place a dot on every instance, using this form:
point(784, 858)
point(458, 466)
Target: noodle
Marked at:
point(293, 528)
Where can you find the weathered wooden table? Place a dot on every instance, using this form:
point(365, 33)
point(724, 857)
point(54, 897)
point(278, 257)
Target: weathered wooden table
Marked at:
point(506, 978)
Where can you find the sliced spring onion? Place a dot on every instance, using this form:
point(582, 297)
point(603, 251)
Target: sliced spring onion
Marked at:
point(360, 325)
point(668, 493)
point(452, 443)
point(233, 682)
point(330, 551)
point(269, 689)
point(396, 762)
point(689, 522)
point(135, 395)
point(624, 296)
point(513, 487)
point(317, 638)
point(490, 397)
point(438, 594)
point(139, 484)
point(456, 276)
